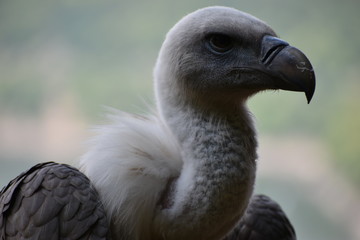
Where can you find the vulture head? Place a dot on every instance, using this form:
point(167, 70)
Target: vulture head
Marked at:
point(217, 57)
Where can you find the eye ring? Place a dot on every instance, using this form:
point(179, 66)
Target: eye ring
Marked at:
point(220, 43)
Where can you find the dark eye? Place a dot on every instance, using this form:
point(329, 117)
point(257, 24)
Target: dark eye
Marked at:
point(220, 43)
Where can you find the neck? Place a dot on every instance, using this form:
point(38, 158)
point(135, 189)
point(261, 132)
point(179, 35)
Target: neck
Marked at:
point(215, 184)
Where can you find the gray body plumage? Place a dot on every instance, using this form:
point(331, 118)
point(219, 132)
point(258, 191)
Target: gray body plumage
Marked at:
point(187, 172)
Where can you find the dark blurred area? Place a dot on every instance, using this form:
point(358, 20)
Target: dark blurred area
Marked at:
point(61, 62)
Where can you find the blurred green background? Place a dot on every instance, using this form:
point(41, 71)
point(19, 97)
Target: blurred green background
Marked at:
point(61, 62)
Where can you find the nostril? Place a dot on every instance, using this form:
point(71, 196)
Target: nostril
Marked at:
point(270, 47)
point(269, 55)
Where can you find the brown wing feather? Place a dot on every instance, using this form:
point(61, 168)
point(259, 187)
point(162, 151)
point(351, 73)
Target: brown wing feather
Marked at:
point(263, 220)
point(51, 201)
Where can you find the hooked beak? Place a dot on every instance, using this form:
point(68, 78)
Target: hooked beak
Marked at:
point(287, 66)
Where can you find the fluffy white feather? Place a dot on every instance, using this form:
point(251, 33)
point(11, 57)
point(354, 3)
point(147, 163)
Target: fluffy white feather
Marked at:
point(130, 162)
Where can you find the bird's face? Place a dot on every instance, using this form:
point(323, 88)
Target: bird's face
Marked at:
point(222, 52)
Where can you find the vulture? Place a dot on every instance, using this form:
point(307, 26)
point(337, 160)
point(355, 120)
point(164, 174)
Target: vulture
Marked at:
point(187, 171)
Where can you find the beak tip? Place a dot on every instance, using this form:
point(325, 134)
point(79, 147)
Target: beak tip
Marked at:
point(308, 98)
point(310, 91)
